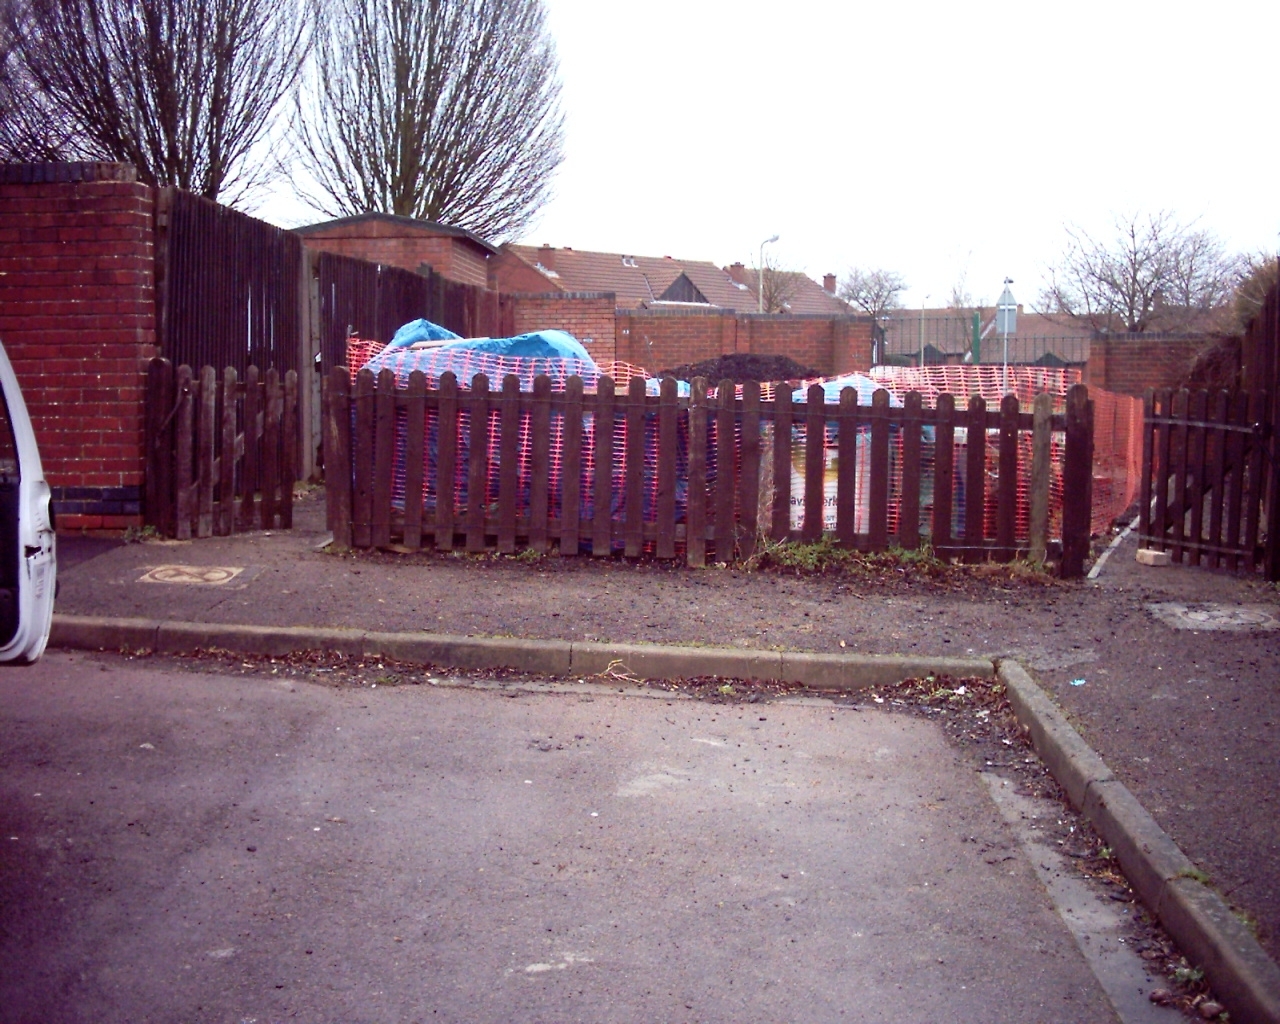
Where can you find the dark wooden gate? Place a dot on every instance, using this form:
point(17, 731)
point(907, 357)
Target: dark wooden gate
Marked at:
point(221, 451)
point(1206, 469)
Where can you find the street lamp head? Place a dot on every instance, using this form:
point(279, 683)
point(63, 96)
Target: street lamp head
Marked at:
point(772, 238)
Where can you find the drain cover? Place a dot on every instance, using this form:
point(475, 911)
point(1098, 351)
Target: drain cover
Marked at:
point(1230, 618)
point(202, 575)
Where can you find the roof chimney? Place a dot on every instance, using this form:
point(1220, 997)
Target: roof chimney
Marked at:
point(829, 283)
point(547, 257)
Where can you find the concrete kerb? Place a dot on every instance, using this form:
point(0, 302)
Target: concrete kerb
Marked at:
point(832, 672)
point(1242, 975)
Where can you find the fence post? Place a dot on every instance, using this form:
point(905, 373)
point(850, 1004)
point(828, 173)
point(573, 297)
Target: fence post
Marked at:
point(337, 455)
point(158, 505)
point(1271, 555)
point(1077, 474)
point(184, 487)
point(1042, 418)
point(696, 514)
point(815, 462)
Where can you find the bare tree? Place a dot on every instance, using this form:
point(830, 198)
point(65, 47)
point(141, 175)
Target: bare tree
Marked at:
point(445, 110)
point(1153, 274)
point(780, 285)
point(181, 90)
point(876, 291)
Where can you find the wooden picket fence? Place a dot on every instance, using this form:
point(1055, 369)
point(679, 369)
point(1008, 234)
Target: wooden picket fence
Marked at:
point(1207, 467)
point(380, 434)
point(221, 453)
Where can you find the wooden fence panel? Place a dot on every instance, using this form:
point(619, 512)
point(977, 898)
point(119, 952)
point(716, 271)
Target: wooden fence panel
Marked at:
point(878, 499)
point(540, 464)
point(780, 527)
point(447, 462)
point(205, 457)
point(815, 462)
point(571, 469)
point(477, 403)
point(634, 472)
point(1038, 526)
point(696, 514)
point(384, 457)
point(1077, 482)
point(602, 485)
point(668, 442)
point(273, 401)
point(515, 503)
point(1236, 449)
point(508, 464)
point(1007, 482)
point(415, 450)
point(1197, 442)
point(726, 451)
point(909, 510)
point(161, 410)
point(944, 475)
point(748, 471)
point(975, 478)
point(252, 450)
point(1257, 488)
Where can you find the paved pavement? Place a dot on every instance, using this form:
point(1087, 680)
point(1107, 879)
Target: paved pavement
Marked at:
point(180, 847)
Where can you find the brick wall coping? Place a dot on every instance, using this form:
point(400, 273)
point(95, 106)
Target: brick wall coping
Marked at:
point(685, 311)
point(82, 170)
point(561, 295)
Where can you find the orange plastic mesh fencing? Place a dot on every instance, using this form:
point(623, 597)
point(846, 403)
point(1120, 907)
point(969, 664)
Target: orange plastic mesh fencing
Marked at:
point(1117, 426)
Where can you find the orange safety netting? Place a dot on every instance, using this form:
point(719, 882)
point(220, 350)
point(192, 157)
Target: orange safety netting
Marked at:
point(1117, 430)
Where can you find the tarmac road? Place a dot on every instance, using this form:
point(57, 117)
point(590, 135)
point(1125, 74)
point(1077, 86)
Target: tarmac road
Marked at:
point(195, 848)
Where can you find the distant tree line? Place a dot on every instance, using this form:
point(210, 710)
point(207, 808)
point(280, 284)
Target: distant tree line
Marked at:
point(443, 110)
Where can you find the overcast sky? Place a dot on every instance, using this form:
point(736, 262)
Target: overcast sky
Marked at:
point(946, 141)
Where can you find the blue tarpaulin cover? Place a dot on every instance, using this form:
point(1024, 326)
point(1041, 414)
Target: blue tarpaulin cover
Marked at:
point(536, 345)
point(421, 330)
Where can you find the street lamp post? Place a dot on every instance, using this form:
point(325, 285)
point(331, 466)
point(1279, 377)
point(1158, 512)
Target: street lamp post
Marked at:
point(1006, 324)
point(760, 269)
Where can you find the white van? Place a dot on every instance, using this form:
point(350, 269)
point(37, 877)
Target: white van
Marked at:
point(28, 560)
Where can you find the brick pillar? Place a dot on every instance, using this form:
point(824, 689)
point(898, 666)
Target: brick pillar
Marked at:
point(77, 318)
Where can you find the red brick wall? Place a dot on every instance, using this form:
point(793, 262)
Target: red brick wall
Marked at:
point(395, 246)
point(1129, 365)
point(659, 340)
point(588, 316)
point(509, 274)
point(77, 317)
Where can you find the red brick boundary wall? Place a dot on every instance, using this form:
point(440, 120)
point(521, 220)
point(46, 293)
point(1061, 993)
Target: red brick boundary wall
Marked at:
point(77, 318)
point(588, 316)
point(660, 339)
point(1129, 365)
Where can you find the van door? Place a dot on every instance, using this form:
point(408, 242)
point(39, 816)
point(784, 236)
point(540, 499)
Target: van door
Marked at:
point(28, 562)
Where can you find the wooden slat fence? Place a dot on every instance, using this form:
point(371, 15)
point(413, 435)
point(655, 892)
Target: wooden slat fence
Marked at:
point(221, 451)
point(227, 286)
point(705, 476)
point(1208, 466)
point(373, 301)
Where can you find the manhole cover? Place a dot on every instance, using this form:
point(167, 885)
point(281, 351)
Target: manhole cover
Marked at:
point(202, 575)
point(1231, 618)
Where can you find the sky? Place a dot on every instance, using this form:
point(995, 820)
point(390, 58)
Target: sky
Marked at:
point(951, 143)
